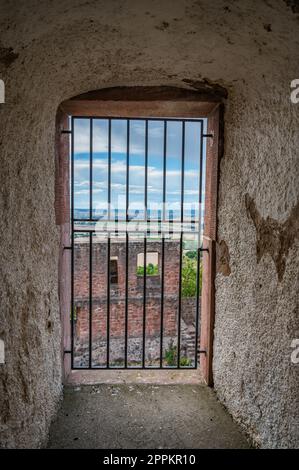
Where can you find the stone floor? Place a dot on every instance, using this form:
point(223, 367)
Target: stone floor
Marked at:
point(134, 376)
point(139, 415)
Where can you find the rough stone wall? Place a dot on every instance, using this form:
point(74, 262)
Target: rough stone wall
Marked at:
point(50, 51)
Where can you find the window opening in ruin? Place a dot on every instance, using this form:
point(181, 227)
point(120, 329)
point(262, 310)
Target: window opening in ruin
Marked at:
point(152, 264)
point(113, 271)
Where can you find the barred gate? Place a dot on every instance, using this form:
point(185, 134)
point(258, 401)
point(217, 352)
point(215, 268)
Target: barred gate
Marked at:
point(136, 229)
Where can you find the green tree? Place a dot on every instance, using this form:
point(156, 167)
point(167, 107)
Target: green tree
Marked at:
point(191, 254)
point(189, 277)
point(151, 270)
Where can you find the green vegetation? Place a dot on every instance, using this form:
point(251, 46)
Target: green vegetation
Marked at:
point(189, 275)
point(171, 357)
point(185, 362)
point(74, 316)
point(191, 254)
point(151, 270)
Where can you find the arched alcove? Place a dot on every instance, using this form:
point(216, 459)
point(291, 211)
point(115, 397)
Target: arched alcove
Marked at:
point(144, 102)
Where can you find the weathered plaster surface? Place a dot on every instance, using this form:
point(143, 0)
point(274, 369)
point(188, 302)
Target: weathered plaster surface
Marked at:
point(273, 238)
point(50, 51)
point(222, 259)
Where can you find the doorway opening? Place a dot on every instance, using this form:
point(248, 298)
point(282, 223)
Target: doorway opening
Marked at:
point(136, 185)
point(140, 257)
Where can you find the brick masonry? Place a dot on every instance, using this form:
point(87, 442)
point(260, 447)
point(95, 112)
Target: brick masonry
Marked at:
point(135, 303)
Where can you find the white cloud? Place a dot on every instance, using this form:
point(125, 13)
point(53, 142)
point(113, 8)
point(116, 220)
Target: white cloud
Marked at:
point(137, 138)
point(136, 171)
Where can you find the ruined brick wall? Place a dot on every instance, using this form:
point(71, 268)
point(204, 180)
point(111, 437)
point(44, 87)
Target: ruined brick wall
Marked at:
point(118, 250)
point(135, 317)
point(117, 294)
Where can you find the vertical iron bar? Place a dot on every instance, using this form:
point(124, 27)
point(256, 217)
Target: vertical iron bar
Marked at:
point(144, 303)
point(126, 300)
point(127, 243)
point(162, 300)
point(90, 237)
point(163, 244)
point(181, 246)
point(108, 246)
point(109, 170)
point(90, 299)
point(72, 242)
point(116, 221)
point(171, 222)
point(193, 221)
point(146, 169)
point(183, 173)
point(108, 301)
point(145, 245)
point(198, 247)
point(159, 222)
point(164, 171)
point(128, 170)
point(180, 302)
point(90, 167)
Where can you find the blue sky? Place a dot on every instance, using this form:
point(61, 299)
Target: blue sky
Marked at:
point(137, 160)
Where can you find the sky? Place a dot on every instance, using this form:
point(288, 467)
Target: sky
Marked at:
point(136, 165)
